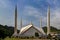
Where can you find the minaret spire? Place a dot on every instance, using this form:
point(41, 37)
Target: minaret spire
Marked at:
point(15, 29)
point(48, 21)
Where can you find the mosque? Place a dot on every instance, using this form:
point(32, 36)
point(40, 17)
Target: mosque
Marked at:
point(31, 30)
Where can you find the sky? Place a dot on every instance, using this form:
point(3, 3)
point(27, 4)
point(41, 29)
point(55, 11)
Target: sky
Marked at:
point(30, 10)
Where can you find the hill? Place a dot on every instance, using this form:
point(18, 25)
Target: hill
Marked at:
point(52, 29)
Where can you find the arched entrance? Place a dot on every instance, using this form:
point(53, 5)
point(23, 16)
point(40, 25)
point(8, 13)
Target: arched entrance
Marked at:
point(36, 34)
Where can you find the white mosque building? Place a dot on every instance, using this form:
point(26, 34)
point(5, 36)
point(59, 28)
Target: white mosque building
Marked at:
point(31, 30)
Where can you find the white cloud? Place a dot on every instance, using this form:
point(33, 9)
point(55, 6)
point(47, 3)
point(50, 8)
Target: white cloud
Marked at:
point(51, 1)
point(31, 11)
point(25, 22)
point(2, 3)
point(6, 13)
point(55, 16)
point(55, 19)
point(5, 3)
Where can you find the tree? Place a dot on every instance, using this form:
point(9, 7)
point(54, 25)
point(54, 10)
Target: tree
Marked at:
point(49, 36)
point(2, 34)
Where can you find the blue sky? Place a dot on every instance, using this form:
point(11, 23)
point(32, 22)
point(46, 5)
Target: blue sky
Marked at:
point(30, 10)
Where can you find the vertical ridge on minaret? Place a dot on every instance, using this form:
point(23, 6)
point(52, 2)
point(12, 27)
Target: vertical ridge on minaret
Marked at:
point(48, 21)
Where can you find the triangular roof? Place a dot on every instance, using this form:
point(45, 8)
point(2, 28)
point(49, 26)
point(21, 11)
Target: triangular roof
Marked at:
point(26, 28)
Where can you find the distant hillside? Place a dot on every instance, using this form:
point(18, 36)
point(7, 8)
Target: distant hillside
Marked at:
point(52, 29)
point(8, 30)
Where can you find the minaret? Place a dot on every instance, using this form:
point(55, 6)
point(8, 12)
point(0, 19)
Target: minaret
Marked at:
point(40, 22)
point(41, 26)
point(31, 23)
point(48, 21)
point(21, 24)
point(15, 28)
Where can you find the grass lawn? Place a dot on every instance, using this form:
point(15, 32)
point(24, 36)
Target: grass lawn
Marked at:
point(23, 39)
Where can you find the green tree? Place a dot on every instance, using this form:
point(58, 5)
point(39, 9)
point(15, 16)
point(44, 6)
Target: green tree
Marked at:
point(49, 36)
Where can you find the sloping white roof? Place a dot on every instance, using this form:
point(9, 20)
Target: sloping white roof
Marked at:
point(27, 27)
point(40, 29)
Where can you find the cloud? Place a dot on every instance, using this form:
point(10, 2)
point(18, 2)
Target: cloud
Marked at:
point(2, 3)
point(31, 11)
point(55, 14)
point(55, 19)
point(6, 14)
point(6, 3)
point(51, 2)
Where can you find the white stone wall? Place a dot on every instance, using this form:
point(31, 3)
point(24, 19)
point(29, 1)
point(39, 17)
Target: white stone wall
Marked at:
point(31, 32)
